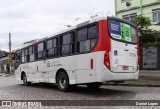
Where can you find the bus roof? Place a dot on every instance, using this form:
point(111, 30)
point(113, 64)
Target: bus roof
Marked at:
point(69, 29)
point(80, 25)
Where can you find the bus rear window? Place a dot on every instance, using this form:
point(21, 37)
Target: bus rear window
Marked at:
point(122, 31)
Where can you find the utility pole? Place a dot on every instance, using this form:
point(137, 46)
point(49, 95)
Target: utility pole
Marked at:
point(9, 52)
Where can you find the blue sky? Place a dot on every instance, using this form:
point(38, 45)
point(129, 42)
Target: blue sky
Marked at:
point(34, 19)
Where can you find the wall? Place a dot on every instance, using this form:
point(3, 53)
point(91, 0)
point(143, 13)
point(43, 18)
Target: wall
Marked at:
point(150, 58)
point(148, 6)
point(134, 4)
point(122, 6)
point(146, 2)
point(3, 62)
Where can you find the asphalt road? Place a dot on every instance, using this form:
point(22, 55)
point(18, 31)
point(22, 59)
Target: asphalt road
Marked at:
point(11, 89)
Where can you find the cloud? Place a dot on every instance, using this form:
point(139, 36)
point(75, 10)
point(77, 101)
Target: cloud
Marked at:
point(33, 19)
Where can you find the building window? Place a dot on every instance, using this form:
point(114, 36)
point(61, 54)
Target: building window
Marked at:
point(87, 39)
point(156, 15)
point(129, 17)
point(125, 1)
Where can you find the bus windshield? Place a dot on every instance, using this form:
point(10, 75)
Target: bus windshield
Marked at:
point(121, 31)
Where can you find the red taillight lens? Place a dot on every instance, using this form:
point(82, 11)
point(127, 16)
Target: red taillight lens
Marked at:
point(107, 60)
point(91, 63)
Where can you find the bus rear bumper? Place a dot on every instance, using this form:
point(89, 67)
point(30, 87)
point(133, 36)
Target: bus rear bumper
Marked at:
point(107, 75)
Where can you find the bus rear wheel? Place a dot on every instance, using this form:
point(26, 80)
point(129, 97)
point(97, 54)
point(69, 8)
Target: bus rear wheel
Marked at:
point(63, 82)
point(94, 85)
point(25, 82)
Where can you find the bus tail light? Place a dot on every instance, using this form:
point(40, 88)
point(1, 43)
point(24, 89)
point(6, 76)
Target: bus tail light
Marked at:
point(106, 60)
point(91, 63)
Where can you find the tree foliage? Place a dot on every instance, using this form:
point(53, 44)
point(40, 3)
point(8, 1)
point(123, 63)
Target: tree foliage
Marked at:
point(142, 22)
point(148, 37)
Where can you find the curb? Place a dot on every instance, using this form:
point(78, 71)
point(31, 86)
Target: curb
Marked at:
point(150, 71)
point(131, 85)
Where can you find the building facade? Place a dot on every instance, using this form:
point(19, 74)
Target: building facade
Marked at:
point(129, 9)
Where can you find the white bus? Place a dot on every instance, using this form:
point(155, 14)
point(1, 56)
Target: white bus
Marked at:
point(90, 53)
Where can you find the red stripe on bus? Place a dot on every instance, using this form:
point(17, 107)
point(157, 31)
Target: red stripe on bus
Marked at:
point(107, 42)
point(104, 41)
point(98, 46)
point(91, 63)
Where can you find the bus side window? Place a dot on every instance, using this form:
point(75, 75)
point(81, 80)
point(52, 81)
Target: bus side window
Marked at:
point(87, 39)
point(23, 56)
point(92, 35)
point(17, 57)
point(40, 51)
point(83, 43)
point(50, 50)
point(67, 44)
point(55, 46)
point(31, 54)
point(26, 55)
point(84, 46)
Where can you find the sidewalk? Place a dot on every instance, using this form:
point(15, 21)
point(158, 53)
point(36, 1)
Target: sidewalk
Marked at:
point(149, 78)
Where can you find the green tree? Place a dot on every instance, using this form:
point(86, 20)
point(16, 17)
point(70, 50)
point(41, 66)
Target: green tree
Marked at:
point(142, 23)
point(148, 37)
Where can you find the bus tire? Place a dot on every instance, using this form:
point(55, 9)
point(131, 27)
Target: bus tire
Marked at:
point(95, 85)
point(63, 82)
point(25, 82)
